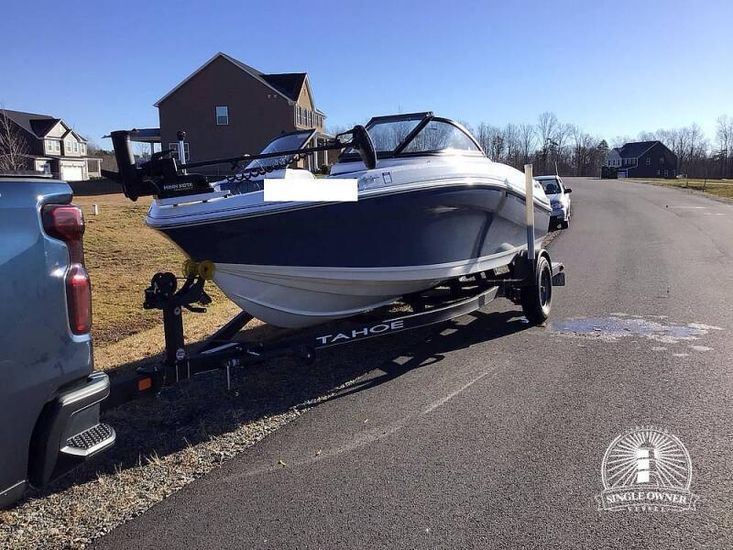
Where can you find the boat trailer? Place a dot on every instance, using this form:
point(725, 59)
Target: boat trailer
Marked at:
point(527, 281)
point(522, 283)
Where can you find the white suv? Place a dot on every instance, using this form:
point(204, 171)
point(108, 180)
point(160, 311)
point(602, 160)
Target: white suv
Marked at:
point(559, 196)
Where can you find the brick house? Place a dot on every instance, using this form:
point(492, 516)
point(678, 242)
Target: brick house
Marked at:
point(52, 147)
point(228, 109)
point(640, 159)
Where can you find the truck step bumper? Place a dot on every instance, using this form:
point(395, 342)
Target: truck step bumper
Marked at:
point(90, 441)
point(70, 430)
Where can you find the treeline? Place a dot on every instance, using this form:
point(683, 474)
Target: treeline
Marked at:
point(552, 145)
point(549, 145)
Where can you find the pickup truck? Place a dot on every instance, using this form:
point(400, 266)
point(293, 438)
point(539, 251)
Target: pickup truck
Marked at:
point(49, 393)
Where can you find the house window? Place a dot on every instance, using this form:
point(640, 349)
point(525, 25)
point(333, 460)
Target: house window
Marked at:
point(666, 173)
point(649, 161)
point(222, 115)
point(661, 160)
point(76, 147)
point(174, 148)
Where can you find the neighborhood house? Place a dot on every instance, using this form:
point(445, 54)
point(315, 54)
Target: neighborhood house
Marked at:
point(228, 109)
point(641, 159)
point(51, 146)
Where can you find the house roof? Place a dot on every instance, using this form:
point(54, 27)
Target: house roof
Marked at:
point(42, 126)
point(287, 85)
point(36, 124)
point(635, 149)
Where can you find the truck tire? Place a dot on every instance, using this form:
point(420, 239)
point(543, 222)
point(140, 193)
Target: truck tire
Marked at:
point(536, 299)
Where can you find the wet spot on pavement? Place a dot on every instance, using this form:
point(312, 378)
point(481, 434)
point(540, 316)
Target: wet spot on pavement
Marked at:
point(649, 327)
point(701, 348)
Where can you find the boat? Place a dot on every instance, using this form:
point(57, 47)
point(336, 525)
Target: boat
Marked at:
point(431, 207)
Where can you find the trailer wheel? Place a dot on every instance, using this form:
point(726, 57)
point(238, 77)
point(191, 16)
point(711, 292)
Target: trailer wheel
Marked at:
point(536, 298)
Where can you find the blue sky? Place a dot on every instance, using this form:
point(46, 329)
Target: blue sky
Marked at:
point(614, 68)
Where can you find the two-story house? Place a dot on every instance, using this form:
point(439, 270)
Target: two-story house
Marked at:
point(641, 159)
point(228, 109)
point(51, 146)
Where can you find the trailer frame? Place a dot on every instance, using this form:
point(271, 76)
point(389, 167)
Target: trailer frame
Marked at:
point(220, 351)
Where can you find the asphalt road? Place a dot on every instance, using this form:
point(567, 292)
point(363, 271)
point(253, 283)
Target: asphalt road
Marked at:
point(493, 435)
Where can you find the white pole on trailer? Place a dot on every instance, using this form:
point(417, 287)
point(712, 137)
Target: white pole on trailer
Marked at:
point(529, 205)
point(181, 135)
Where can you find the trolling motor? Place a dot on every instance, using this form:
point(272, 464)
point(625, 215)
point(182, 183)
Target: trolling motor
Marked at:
point(159, 176)
point(163, 177)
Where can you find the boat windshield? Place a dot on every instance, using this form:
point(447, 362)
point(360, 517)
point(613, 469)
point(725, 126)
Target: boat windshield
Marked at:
point(440, 135)
point(287, 142)
point(387, 135)
point(415, 134)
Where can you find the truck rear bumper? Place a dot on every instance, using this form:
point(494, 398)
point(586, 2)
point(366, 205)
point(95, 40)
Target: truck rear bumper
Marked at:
point(70, 431)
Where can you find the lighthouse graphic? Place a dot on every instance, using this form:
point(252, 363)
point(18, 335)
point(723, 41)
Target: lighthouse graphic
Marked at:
point(645, 456)
point(646, 468)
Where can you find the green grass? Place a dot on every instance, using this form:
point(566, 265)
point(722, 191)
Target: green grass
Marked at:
point(718, 188)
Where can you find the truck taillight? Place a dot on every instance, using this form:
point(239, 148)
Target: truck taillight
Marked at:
point(79, 299)
point(66, 223)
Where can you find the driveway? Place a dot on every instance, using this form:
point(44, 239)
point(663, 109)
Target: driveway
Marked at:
point(491, 434)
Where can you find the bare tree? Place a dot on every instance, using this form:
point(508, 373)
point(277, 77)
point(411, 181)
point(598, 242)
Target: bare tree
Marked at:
point(724, 135)
point(547, 131)
point(526, 138)
point(511, 140)
point(483, 136)
point(581, 142)
point(13, 146)
point(620, 141)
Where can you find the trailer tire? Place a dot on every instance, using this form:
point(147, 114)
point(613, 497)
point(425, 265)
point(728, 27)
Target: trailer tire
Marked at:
point(536, 299)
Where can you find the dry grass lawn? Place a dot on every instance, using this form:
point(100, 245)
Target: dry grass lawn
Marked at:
point(122, 254)
point(718, 188)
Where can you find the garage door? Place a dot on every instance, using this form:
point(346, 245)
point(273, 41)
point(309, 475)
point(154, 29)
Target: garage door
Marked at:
point(72, 173)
